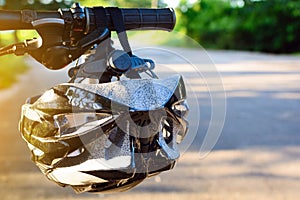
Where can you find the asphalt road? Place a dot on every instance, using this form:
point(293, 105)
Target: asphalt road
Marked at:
point(257, 155)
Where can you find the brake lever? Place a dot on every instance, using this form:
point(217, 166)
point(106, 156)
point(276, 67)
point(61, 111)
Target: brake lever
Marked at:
point(7, 50)
point(27, 46)
point(20, 49)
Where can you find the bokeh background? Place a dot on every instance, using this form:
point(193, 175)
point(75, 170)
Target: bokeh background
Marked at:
point(253, 44)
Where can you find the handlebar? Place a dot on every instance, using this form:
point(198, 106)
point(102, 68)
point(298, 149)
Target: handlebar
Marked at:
point(134, 18)
point(68, 33)
point(16, 20)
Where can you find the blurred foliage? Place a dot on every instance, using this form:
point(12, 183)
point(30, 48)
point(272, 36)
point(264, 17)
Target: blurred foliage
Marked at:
point(11, 66)
point(122, 3)
point(91, 3)
point(36, 4)
point(266, 25)
point(55, 4)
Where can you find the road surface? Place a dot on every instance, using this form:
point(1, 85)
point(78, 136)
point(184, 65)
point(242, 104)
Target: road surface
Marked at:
point(256, 157)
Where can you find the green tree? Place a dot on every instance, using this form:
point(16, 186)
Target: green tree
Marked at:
point(269, 26)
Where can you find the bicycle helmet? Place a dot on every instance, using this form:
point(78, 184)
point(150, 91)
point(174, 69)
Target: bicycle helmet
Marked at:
point(106, 137)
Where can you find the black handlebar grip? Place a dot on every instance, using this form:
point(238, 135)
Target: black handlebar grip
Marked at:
point(134, 18)
point(147, 19)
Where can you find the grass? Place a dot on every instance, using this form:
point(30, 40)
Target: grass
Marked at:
point(10, 67)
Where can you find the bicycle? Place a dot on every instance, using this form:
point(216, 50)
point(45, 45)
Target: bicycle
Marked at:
point(115, 123)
